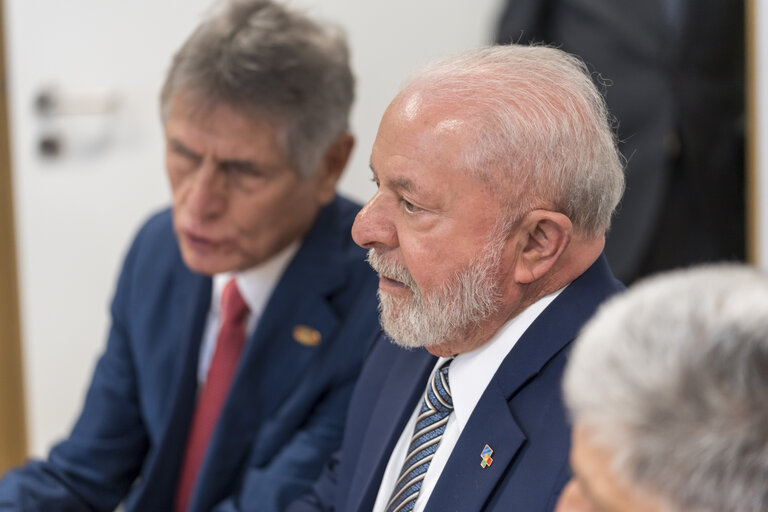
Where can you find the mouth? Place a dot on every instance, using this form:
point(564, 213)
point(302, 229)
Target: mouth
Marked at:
point(391, 281)
point(198, 242)
point(389, 285)
point(387, 271)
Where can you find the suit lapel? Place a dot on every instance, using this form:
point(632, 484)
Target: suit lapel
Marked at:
point(403, 388)
point(188, 310)
point(273, 355)
point(491, 424)
point(556, 326)
point(492, 421)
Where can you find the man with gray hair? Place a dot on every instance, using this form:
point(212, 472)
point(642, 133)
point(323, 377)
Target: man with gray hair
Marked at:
point(668, 390)
point(497, 175)
point(242, 314)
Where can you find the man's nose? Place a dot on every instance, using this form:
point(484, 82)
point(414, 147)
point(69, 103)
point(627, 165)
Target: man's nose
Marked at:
point(374, 226)
point(207, 196)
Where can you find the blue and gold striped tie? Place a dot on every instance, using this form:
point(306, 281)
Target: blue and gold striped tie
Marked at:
point(430, 425)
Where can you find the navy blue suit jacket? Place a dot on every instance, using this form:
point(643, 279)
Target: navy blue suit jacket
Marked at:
point(520, 416)
point(284, 415)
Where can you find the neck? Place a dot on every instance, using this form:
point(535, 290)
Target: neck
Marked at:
point(469, 341)
point(580, 254)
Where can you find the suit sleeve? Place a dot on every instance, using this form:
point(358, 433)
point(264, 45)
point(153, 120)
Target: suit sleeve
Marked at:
point(523, 21)
point(323, 495)
point(294, 469)
point(296, 466)
point(93, 469)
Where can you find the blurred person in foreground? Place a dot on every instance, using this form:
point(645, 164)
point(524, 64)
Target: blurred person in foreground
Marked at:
point(497, 175)
point(668, 390)
point(241, 314)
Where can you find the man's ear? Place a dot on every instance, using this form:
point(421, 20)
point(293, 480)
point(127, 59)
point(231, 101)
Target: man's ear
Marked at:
point(331, 166)
point(545, 235)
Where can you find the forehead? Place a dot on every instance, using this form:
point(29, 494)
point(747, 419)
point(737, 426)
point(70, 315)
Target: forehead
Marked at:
point(416, 136)
point(422, 148)
point(198, 121)
point(598, 480)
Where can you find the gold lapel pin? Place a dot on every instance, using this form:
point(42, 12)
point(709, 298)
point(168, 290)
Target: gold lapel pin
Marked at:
point(486, 456)
point(307, 335)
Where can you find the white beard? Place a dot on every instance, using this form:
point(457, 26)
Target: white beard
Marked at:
point(448, 314)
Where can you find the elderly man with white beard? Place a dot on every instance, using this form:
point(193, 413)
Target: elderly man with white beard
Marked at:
point(497, 175)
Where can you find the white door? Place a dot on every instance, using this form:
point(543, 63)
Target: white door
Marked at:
point(87, 151)
point(87, 154)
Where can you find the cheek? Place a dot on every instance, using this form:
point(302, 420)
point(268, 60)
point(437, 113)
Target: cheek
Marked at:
point(254, 220)
point(177, 182)
point(422, 263)
point(432, 261)
point(173, 168)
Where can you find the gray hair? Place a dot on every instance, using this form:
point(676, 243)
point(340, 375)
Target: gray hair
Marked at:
point(542, 136)
point(672, 378)
point(260, 56)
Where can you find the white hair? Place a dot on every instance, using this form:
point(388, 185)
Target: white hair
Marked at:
point(672, 378)
point(541, 130)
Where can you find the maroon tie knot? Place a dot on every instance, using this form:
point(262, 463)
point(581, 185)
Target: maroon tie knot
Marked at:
point(233, 306)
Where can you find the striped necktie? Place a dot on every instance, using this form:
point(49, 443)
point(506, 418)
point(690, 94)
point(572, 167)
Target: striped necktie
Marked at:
point(430, 425)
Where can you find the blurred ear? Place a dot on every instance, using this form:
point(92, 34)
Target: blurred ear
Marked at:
point(331, 166)
point(545, 234)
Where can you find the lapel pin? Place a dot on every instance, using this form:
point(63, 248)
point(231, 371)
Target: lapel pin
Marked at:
point(306, 335)
point(486, 456)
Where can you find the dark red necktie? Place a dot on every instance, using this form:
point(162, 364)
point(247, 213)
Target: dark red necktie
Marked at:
point(229, 344)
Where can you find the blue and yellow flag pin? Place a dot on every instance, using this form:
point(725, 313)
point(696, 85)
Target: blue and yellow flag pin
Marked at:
point(486, 456)
point(307, 335)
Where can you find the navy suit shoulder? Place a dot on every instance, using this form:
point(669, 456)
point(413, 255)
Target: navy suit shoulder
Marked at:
point(520, 415)
point(285, 412)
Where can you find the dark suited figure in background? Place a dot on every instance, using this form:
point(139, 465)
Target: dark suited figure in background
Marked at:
point(675, 75)
point(241, 314)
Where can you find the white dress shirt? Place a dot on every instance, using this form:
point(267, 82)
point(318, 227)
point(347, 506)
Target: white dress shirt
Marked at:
point(256, 286)
point(468, 376)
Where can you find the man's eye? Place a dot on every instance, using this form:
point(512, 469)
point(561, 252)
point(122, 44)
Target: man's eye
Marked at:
point(187, 158)
point(409, 206)
point(241, 169)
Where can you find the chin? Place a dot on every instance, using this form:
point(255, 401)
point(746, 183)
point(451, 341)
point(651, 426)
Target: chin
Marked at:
point(204, 265)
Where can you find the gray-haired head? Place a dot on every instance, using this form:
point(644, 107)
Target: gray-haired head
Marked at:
point(672, 379)
point(542, 136)
point(261, 57)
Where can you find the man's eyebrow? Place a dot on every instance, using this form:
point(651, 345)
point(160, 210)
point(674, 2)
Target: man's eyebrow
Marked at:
point(403, 184)
point(241, 163)
point(399, 183)
point(179, 147)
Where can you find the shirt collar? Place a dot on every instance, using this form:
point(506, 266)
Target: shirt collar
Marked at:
point(257, 283)
point(471, 372)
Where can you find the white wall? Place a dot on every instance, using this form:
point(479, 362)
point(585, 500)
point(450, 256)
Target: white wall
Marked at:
point(76, 214)
point(761, 136)
point(391, 40)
